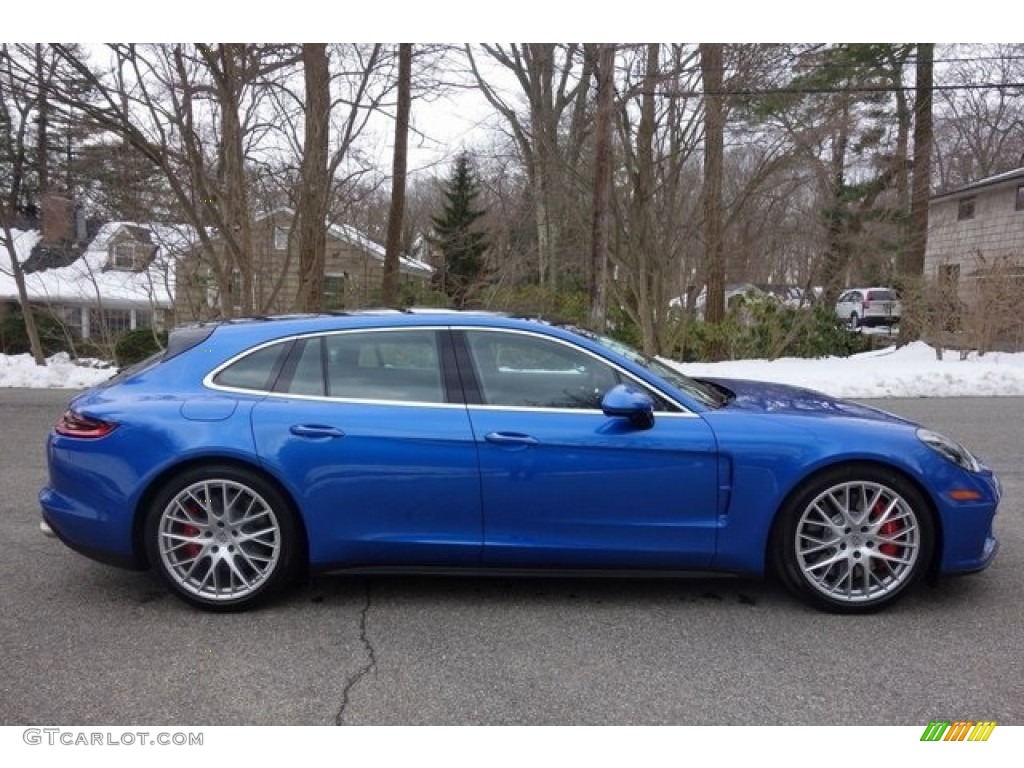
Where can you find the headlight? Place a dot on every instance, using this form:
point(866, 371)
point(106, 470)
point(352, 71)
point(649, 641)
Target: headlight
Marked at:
point(950, 449)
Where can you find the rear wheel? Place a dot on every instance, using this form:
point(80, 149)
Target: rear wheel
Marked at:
point(223, 538)
point(854, 539)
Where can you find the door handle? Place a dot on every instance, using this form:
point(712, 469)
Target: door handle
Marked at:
point(315, 430)
point(510, 438)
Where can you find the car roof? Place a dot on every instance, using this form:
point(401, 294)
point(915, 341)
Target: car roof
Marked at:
point(265, 328)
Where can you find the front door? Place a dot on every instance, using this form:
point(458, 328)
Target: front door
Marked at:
point(565, 485)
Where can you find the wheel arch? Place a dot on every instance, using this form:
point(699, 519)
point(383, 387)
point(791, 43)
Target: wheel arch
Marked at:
point(193, 462)
point(936, 519)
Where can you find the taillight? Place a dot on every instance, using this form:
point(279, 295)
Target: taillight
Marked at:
point(73, 424)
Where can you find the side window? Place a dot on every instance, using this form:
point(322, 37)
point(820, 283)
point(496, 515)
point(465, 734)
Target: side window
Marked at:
point(304, 372)
point(384, 365)
point(521, 370)
point(256, 370)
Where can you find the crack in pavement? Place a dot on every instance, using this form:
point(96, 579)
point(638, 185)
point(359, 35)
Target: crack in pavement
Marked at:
point(370, 666)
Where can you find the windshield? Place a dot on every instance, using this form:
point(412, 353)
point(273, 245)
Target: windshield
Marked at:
point(699, 391)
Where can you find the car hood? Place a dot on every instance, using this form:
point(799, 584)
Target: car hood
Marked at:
point(769, 397)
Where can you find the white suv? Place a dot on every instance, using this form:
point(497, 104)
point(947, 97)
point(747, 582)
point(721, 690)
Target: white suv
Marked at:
point(869, 306)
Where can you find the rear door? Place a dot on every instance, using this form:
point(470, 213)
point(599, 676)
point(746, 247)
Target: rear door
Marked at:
point(368, 431)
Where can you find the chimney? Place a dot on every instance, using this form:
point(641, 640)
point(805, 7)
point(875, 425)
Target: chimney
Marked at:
point(58, 215)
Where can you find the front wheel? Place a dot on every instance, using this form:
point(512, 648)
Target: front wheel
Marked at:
point(222, 538)
point(854, 539)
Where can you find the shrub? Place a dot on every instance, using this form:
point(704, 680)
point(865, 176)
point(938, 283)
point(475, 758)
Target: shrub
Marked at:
point(14, 335)
point(133, 346)
point(764, 329)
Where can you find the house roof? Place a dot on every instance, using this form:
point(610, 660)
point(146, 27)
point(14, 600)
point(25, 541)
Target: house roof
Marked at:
point(86, 281)
point(364, 242)
point(1017, 174)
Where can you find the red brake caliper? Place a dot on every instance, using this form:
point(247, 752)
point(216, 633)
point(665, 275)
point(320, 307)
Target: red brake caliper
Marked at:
point(888, 528)
point(192, 548)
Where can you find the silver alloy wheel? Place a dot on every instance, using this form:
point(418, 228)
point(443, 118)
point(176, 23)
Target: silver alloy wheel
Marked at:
point(219, 540)
point(857, 542)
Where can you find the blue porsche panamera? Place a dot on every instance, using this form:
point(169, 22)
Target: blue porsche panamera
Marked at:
point(250, 452)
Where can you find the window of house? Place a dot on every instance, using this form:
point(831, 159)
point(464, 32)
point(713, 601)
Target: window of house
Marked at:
point(235, 286)
point(334, 291)
point(143, 318)
point(109, 323)
point(965, 209)
point(949, 274)
point(123, 256)
point(1019, 206)
point(280, 238)
point(71, 318)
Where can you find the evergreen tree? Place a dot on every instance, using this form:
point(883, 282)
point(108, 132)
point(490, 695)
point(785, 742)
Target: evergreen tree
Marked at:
point(461, 246)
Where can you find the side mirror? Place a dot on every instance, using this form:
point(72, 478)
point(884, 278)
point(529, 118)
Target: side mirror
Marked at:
point(623, 401)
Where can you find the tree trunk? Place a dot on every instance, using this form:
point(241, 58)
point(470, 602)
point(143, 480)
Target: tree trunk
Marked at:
point(711, 65)
point(389, 287)
point(641, 242)
point(239, 234)
point(602, 184)
point(23, 301)
point(314, 180)
point(15, 109)
point(921, 184)
point(913, 263)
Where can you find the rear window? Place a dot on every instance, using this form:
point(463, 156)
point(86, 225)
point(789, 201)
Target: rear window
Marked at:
point(256, 370)
point(881, 296)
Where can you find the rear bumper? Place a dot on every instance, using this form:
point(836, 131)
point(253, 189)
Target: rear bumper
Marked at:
point(85, 533)
point(873, 320)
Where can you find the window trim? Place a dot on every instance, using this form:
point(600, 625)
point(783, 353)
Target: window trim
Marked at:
point(1018, 204)
point(465, 378)
point(208, 380)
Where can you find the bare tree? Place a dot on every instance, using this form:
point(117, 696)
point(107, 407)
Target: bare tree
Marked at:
point(389, 287)
point(979, 114)
point(196, 114)
point(314, 184)
point(913, 263)
point(712, 65)
point(599, 245)
point(17, 109)
point(553, 79)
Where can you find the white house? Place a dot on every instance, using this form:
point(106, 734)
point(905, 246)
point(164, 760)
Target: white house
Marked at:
point(123, 280)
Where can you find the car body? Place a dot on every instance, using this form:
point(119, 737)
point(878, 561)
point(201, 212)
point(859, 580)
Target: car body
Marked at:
point(869, 307)
point(252, 451)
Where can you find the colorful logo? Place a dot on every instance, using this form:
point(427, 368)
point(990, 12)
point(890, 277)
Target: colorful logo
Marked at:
point(958, 730)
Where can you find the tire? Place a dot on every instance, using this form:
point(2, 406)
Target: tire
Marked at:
point(853, 539)
point(222, 537)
